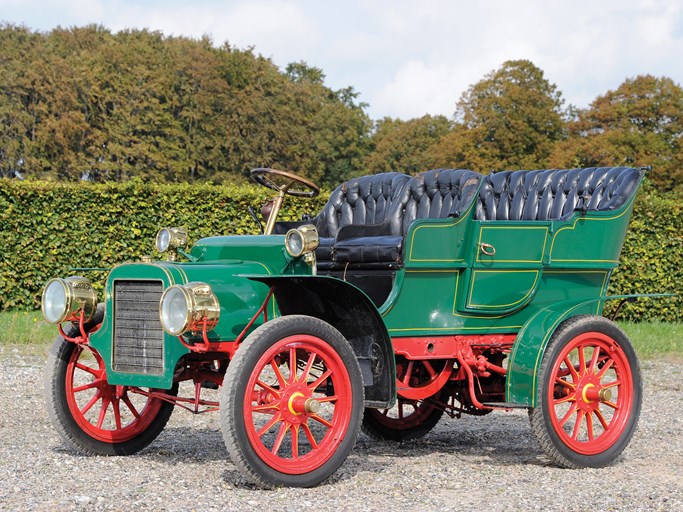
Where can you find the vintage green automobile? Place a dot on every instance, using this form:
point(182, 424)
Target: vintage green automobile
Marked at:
point(405, 298)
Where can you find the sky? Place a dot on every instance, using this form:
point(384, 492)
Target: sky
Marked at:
point(410, 58)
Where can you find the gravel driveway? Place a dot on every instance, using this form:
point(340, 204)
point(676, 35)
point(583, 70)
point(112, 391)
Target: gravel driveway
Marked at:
point(488, 463)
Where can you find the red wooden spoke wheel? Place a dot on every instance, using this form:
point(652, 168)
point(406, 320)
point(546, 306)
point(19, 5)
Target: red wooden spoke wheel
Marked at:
point(590, 394)
point(408, 419)
point(92, 415)
point(107, 413)
point(291, 403)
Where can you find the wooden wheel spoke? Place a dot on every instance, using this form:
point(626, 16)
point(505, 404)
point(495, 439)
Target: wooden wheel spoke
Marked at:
point(327, 399)
point(267, 408)
point(321, 420)
point(92, 371)
point(131, 407)
point(103, 412)
point(91, 385)
point(269, 425)
point(601, 419)
point(90, 403)
point(117, 413)
point(565, 383)
point(309, 435)
point(292, 365)
point(409, 372)
point(295, 441)
point(320, 379)
point(268, 388)
point(594, 360)
point(577, 424)
point(582, 360)
point(611, 384)
point(612, 405)
point(571, 369)
point(430, 369)
point(284, 427)
point(564, 400)
point(569, 414)
point(589, 427)
point(278, 373)
point(309, 365)
point(605, 368)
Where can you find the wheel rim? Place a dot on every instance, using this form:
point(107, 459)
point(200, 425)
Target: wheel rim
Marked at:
point(406, 414)
point(590, 393)
point(107, 413)
point(298, 404)
point(419, 379)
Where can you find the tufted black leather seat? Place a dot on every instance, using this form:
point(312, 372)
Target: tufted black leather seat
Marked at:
point(554, 194)
point(436, 194)
point(359, 201)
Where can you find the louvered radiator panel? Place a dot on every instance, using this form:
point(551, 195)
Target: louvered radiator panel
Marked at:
point(138, 336)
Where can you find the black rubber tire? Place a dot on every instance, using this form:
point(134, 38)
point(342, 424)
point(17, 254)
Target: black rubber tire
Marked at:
point(239, 371)
point(380, 431)
point(541, 424)
point(65, 424)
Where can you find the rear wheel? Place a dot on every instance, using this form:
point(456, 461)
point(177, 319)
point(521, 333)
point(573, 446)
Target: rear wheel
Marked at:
point(291, 402)
point(589, 394)
point(408, 419)
point(93, 416)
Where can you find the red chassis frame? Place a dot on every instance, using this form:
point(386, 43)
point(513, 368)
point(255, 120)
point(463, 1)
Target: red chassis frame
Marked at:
point(425, 366)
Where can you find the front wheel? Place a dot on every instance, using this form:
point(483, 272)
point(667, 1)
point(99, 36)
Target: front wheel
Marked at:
point(291, 403)
point(93, 416)
point(589, 394)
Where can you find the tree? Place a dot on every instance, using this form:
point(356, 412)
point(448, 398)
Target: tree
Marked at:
point(510, 119)
point(83, 103)
point(405, 146)
point(639, 123)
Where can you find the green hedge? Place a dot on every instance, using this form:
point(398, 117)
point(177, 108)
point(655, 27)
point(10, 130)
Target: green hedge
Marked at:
point(652, 259)
point(48, 228)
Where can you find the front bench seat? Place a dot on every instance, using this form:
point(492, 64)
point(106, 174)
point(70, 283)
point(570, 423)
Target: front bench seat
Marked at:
point(358, 201)
point(434, 194)
point(554, 194)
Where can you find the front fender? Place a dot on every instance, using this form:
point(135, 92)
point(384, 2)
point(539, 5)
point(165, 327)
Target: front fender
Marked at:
point(350, 311)
point(530, 344)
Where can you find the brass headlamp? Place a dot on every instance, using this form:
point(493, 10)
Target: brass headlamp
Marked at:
point(171, 239)
point(190, 307)
point(66, 300)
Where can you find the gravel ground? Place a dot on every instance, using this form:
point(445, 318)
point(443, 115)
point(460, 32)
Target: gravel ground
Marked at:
point(489, 462)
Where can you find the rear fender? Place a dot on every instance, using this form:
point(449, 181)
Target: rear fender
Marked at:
point(532, 340)
point(530, 344)
point(352, 313)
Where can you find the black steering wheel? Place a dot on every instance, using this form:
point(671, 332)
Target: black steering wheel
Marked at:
point(284, 182)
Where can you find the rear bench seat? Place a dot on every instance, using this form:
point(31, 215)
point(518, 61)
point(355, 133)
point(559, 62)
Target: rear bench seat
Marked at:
point(554, 194)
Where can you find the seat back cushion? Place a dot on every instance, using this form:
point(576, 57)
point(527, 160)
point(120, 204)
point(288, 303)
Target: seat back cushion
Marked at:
point(363, 200)
point(554, 194)
point(434, 194)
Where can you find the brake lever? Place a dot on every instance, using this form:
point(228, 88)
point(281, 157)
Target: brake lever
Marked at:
point(256, 219)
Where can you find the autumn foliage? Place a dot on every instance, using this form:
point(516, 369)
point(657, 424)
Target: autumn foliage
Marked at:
point(87, 104)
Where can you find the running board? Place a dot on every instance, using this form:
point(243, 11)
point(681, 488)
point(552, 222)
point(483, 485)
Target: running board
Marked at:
point(505, 405)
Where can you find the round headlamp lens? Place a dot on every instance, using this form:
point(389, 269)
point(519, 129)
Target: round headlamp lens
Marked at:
point(294, 243)
point(175, 311)
point(54, 303)
point(163, 240)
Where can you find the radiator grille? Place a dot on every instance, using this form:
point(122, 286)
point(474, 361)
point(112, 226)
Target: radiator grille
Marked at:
point(138, 336)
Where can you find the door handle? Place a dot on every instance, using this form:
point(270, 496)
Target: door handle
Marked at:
point(487, 249)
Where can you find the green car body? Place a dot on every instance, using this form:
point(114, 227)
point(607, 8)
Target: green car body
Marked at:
point(481, 312)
